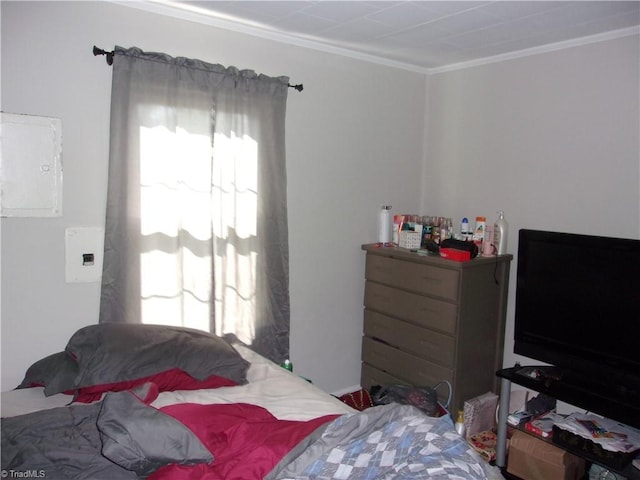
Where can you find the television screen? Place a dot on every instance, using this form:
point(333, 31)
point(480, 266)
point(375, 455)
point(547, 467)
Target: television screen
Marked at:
point(578, 303)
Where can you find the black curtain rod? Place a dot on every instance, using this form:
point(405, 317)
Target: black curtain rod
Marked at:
point(109, 57)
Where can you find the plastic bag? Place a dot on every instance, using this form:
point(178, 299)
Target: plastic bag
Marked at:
point(596, 472)
point(424, 398)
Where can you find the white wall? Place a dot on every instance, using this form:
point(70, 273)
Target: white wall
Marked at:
point(552, 139)
point(354, 141)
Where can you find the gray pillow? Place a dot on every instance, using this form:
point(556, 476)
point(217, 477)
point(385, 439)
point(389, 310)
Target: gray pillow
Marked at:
point(56, 373)
point(143, 439)
point(109, 353)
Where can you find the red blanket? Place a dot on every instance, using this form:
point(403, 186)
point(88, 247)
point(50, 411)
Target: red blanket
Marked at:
point(246, 440)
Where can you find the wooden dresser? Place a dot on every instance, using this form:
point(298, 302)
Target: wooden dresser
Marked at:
point(428, 319)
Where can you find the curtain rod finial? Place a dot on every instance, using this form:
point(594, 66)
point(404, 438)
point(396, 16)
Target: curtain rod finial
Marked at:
point(298, 87)
point(99, 51)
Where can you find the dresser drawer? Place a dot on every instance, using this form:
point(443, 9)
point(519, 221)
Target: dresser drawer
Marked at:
point(416, 277)
point(371, 376)
point(409, 338)
point(413, 370)
point(423, 311)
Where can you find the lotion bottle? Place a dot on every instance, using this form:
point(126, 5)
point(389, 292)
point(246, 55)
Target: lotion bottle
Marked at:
point(500, 234)
point(460, 423)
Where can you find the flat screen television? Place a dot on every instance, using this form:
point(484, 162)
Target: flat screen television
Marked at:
point(578, 304)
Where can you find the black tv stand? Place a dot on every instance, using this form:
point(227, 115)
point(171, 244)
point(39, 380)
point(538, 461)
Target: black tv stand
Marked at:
point(540, 373)
point(614, 398)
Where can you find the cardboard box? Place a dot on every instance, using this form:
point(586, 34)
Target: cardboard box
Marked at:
point(531, 458)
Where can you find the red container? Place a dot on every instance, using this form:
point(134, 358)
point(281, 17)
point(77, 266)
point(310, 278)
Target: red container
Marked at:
point(453, 254)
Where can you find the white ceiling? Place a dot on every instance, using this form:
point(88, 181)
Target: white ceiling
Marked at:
point(421, 35)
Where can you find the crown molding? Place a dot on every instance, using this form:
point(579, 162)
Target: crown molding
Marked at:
point(227, 22)
point(551, 47)
point(199, 15)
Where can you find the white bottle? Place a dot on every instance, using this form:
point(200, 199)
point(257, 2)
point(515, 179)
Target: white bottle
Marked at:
point(464, 229)
point(384, 228)
point(500, 234)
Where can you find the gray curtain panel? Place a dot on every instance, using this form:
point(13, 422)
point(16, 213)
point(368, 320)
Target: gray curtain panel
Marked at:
point(196, 227)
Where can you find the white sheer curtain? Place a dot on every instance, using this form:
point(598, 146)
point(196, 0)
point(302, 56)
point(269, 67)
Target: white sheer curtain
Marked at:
point(196, 221)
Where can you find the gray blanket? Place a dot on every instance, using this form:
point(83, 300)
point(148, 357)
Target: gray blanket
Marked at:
point(118, 438)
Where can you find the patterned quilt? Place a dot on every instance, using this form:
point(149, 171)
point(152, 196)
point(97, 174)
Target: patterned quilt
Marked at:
point(387, 442)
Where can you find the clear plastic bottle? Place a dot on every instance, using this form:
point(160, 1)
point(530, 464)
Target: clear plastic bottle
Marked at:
point(500, 234)
point(398, 220)
point(444, 230)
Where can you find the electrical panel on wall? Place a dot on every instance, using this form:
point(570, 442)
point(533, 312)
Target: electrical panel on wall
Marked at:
point(30, 166)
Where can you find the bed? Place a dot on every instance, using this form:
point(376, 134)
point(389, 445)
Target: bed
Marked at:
point(147, 401)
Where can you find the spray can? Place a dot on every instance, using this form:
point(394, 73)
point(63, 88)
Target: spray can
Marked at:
point(500, 234)
point(464, 229)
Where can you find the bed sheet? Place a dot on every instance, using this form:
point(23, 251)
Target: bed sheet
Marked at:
point(285, 395)
point(29, 400)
